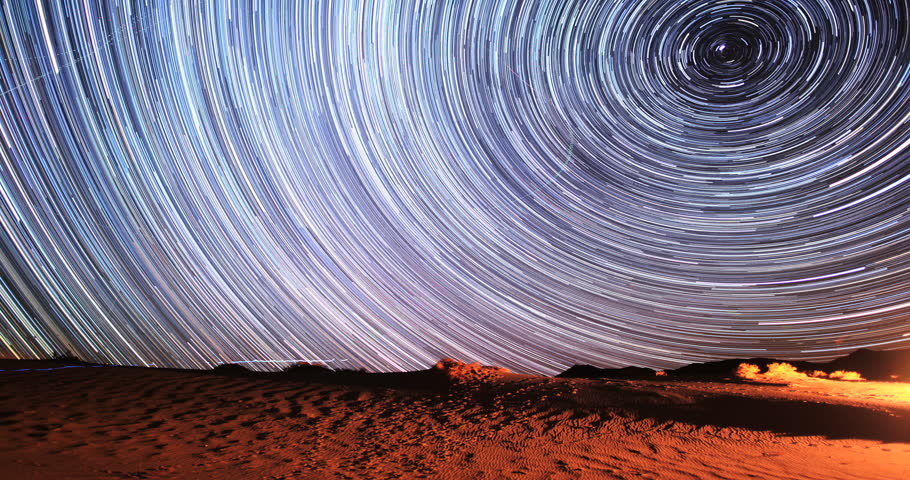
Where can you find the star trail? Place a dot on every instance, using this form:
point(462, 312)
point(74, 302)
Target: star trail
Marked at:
point(380, 184)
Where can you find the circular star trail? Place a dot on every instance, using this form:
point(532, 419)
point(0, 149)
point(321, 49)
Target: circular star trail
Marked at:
point(381, 184)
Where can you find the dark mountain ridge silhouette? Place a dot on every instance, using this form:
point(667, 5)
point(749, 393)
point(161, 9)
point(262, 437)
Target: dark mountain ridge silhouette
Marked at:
point(878, 365)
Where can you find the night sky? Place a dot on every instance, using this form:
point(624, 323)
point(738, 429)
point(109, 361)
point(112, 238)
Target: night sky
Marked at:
point(380, 184)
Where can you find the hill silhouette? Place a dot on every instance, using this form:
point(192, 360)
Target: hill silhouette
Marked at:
point(878, 365)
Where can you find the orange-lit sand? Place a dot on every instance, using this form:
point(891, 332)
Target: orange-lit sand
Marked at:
point(847, 387)
point(103, 423)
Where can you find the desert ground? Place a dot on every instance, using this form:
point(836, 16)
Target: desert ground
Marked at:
point(61, 421)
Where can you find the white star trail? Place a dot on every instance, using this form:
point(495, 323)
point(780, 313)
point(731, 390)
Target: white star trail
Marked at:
point(529, 184)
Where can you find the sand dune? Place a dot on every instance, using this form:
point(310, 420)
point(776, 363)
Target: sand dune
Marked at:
point(454, 421)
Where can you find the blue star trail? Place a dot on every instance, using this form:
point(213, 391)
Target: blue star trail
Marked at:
point(380, 184)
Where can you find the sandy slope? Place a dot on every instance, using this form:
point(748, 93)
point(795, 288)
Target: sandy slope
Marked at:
point(107, 422)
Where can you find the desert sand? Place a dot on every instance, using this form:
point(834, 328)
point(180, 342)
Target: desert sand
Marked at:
point(452, 422)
